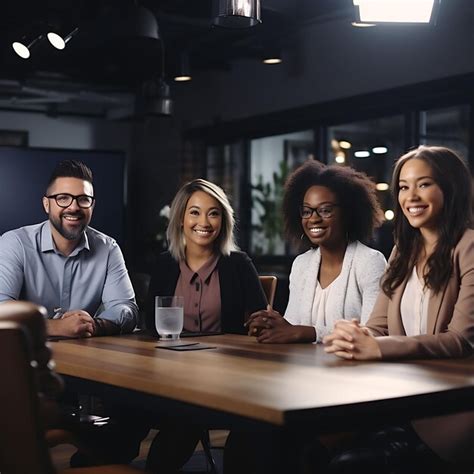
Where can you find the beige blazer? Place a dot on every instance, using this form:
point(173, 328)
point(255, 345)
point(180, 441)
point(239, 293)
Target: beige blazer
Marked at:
point(450, 334)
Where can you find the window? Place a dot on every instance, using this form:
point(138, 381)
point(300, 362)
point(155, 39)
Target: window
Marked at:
point(371, 146)
point(446, 127)
point(271, 160)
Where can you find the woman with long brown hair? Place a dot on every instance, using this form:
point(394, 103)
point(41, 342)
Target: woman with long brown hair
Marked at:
point(426, 307)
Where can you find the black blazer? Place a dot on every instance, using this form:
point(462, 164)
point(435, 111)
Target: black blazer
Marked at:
point(241, 291)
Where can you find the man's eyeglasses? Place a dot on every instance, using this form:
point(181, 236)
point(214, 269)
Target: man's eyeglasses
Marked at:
point(65, 200)
point(325, 212)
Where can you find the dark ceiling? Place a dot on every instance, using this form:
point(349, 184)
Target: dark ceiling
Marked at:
point(106, 56)
point(107, 61)
point(104, 49)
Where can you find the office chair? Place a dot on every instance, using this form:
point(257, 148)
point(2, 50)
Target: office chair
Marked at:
point(29, 386)
point(269, 284)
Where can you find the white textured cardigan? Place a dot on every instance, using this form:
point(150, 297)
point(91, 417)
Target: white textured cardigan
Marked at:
point(353, 293)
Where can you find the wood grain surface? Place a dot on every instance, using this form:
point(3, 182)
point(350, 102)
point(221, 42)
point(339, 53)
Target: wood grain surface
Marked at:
point(267, 383)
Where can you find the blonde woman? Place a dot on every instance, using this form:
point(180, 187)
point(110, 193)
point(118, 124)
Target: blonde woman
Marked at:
point(220, 287)
point(203, 264)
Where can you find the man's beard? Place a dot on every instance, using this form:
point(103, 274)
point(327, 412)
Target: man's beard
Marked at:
point(69, 235)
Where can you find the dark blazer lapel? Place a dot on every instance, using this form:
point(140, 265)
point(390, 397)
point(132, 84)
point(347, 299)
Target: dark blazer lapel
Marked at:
point(226, 289)
point(172, 277)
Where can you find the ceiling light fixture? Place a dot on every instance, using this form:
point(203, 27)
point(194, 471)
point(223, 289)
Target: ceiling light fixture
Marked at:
point(382, 186)
point(345, 144)
point(271, 60)
point(183, 72)
point(396, 11)
point(24, 47)
point(362, 154)
point(389, 215)
point(379, 150)
point(58, 41)
point(154, 97)
point(237, 13)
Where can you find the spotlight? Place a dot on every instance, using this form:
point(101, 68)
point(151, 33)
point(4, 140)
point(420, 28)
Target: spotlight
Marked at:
point(382, 186)
point(58, 41)
point(389, 214)
point(23, 48)
point(379, 150)
point(340, 157)
point(345, 144)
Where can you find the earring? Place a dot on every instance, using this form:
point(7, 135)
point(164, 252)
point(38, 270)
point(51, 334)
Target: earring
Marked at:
point(302, 236)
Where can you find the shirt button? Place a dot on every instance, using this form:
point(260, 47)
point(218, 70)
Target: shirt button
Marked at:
point(195, 305)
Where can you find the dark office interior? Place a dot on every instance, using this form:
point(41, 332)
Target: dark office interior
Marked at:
point(152, 94)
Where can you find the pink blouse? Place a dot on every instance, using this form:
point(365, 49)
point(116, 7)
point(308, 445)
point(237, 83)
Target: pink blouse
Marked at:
point(202, 296)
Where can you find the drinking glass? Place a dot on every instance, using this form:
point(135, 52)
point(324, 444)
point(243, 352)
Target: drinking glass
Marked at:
point(169, 317)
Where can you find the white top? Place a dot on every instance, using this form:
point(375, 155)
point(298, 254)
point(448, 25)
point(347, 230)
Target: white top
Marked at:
point(414, 306)
point(352, 294)
point(321, 297)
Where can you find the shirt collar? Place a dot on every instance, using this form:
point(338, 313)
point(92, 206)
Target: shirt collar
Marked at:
point(204, 272)
point(47, 242)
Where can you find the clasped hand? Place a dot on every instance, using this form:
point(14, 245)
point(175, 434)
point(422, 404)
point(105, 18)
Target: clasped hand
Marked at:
point(270, 326)
point(351, 341)
point(73, 323)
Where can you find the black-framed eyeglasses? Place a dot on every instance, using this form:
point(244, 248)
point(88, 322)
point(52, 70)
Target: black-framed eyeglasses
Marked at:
point(65, 200)
point(325, 211)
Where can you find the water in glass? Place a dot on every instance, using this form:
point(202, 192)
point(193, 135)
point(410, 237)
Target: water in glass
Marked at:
point(169, 316)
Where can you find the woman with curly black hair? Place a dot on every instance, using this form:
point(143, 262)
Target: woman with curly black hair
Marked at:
point(331, 209)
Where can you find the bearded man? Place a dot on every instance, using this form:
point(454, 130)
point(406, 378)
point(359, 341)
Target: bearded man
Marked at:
point(76, 272)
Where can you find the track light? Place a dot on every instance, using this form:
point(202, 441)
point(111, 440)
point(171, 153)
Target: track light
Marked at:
point(58, 41)
point(23, 47)
point(237, 13)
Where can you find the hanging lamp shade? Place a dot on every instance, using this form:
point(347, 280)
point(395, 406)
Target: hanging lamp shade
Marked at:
point(154, 99)
point(237, 13)
point(133, 21)
point(142, 22)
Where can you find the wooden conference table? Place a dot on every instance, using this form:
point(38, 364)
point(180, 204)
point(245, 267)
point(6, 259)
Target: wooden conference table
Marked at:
point(278, 386)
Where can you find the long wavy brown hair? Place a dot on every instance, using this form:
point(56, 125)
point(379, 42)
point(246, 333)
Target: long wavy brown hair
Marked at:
point(453, 177)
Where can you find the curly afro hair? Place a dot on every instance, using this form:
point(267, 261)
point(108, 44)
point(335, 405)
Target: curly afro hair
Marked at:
point(356, 195)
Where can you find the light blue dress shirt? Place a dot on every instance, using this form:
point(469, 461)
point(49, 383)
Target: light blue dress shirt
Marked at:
point(92, 278)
